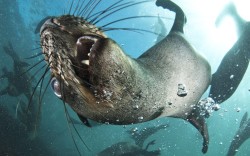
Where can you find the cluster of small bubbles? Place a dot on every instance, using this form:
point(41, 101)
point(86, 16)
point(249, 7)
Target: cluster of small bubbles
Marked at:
point(181, 90)
point(117, 120)
point(232, 76)
point(107, 94)
point(207, 106)
point(106, 123)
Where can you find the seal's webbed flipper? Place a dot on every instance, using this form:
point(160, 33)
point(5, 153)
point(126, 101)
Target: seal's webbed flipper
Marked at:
point(244, 119)
point(231, 10)
point(84, 120)
point(199, 123)
point(180, 18)
point(232, 68)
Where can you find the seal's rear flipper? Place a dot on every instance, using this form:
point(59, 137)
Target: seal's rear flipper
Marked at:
point(199, 123)
point(180, 18)
point(234, 65)
point(232, 68)
point(231, 10)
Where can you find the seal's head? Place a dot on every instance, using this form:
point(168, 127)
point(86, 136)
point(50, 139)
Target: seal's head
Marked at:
point(87, 67)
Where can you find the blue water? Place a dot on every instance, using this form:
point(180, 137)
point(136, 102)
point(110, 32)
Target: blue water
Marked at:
point(19, 19)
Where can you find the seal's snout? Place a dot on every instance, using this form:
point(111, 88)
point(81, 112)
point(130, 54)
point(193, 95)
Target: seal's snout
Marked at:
point(48, 23)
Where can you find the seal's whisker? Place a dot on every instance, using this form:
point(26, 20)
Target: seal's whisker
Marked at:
point(33, 76)
point(132, 17)
point(71, 5)
point(84, 10)
point(111, 7)
point(40, 99)
point(129, 29)
point(35, 88)
point(119, 9)
point(69, 119)
point(34, 56)
point(80, 8)
point(33, 66)
point(93, 8)
point(76, 8)
point(46, 88)
point(71, 133)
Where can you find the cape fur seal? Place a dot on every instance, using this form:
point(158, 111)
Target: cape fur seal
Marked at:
point(99, 81)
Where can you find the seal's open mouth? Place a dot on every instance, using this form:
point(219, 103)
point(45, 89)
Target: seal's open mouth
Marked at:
point(85, 46)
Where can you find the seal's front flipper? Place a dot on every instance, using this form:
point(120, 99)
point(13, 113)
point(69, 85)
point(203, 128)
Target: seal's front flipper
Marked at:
point(180, 18)
point(199, 123)
point(84, 120)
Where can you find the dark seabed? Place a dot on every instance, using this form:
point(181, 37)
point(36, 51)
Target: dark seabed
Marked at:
point(44, 129)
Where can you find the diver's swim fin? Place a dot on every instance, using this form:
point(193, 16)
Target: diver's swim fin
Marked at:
point(84, 120)
point(199, 123)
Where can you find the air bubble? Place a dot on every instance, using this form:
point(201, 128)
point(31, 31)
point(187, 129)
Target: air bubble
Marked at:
point(140, 118)
point(238, 109)
point(135, 107)
point(135, 129)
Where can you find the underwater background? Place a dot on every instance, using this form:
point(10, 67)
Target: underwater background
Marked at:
point(19, 20)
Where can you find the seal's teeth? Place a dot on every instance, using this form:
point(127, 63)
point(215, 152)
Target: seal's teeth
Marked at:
point(85, 62)
point(89, 54)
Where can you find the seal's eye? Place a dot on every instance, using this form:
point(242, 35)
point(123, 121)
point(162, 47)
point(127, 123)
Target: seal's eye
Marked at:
point(55, 85)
